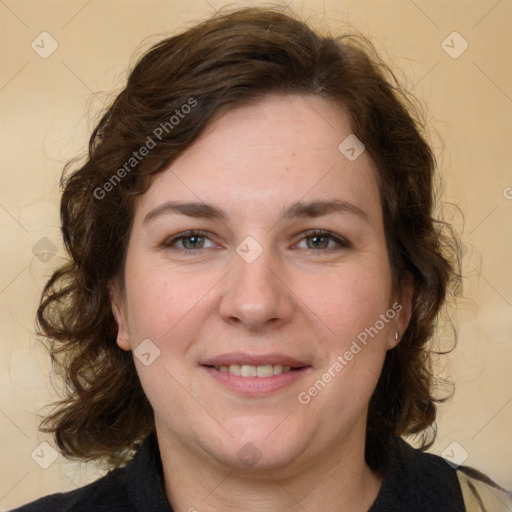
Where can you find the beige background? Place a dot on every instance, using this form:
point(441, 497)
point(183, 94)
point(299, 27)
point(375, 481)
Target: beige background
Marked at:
point(48, 107)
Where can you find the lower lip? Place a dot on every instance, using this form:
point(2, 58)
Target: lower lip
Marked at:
point(256, 386)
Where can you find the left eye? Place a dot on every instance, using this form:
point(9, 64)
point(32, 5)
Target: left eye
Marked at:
point(323, 240)
point(193, 242)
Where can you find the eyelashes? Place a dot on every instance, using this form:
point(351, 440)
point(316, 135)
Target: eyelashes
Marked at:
point(170, 243)
point(196, 241)
point(317, 235)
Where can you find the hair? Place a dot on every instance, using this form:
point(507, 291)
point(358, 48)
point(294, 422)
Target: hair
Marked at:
point(227, 61)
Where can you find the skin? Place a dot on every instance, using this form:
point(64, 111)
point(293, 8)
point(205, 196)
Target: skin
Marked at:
point(304, 297)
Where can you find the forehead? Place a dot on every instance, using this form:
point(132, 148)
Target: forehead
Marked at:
point(269, 153)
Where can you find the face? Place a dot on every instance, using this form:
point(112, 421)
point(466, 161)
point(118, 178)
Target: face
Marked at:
point(258, 296)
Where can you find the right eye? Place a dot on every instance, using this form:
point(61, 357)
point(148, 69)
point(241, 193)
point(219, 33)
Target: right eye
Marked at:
point(189, 241)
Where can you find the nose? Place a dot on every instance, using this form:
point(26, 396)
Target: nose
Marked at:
point(256, 295)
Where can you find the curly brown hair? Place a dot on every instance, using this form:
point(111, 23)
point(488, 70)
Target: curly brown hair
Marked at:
point(224, 62)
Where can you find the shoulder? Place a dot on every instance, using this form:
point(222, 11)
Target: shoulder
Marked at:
point(420, 481)
point(481, 494)
point(138, 486)
point(107, 493)
point(431, 482)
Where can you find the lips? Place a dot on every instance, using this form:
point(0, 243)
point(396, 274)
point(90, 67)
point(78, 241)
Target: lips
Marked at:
point(255, 374)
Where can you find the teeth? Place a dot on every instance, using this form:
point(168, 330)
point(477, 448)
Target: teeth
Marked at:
point(246, 370)
point(265, 371)
point(278, 368)
point(235, 369)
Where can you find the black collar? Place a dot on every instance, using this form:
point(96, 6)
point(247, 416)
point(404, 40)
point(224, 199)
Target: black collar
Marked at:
point(414, 481)
point(145, 479)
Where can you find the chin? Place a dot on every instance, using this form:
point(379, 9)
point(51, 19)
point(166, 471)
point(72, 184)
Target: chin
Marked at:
point(259, 443)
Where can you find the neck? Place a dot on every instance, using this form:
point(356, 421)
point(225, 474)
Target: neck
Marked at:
point(336, 480)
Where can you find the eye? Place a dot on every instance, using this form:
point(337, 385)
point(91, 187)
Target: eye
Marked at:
point(189, 241)
point(318, 239)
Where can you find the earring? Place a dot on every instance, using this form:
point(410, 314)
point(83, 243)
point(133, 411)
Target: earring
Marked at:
point(397, 335)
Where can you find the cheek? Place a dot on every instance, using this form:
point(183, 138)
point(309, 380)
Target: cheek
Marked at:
point(354, 343)
point(349, 301)
point(162, 301)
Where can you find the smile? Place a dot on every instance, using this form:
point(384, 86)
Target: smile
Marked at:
point(255, 375)
point(247, 370)
point(256, 380)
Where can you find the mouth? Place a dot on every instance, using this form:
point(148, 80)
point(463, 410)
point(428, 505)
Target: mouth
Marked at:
point(255, 375)
point(248, 370)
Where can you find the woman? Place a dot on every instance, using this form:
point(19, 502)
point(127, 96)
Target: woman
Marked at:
point(255, 274)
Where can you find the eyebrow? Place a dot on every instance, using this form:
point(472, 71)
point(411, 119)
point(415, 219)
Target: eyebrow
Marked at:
point(299, 209)
point(319, 208)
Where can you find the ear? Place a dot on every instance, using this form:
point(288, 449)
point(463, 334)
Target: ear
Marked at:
point(402, 305)
point(118, 305)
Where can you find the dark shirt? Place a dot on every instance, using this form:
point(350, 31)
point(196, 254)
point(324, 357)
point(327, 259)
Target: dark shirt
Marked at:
point(414, 482)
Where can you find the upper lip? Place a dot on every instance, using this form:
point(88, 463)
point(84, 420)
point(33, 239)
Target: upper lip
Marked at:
point(254, 360)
